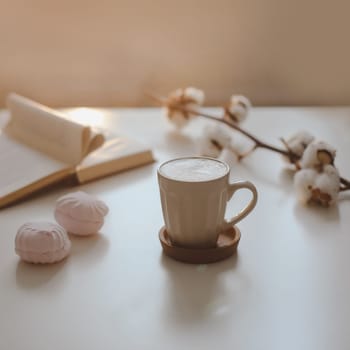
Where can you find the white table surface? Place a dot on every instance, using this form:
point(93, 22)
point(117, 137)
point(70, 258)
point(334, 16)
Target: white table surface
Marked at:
point(287, 288)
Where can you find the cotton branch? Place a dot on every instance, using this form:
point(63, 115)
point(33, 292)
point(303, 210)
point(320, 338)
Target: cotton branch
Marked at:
point(345, 184)
point(257, 143)
point(294, 158)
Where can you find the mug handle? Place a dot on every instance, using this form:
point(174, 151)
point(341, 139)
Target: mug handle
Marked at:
point(232, 188)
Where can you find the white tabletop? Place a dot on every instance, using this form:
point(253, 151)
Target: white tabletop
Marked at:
point(287, 288)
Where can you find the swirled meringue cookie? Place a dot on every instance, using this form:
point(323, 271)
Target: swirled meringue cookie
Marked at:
point(80, 213)
point(42, 242)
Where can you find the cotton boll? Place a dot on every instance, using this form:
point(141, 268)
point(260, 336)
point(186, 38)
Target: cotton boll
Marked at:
point(238, 108)
point(189, 98)
point(237, 113)
point(228, 156)
point(214, 139)
point(178, 93)
point(333, 173)
point(303, 183)
point(207, 148)
point(326, 186)
point(241, 100)
point(299, 141)
point(177, 118)
point(193, 99)
point(321, 188)
point(317, 154)
point(195, 95)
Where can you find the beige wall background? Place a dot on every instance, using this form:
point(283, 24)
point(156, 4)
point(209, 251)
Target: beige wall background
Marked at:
point(107, 53)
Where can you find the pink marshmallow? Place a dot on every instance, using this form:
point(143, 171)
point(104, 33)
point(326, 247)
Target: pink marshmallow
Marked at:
point(42, 242)
point(80, 213)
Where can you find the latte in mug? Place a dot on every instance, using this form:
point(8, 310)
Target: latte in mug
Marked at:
point(193, 169)
point(194, 193)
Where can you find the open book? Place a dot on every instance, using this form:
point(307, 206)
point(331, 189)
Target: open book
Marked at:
point(40, 146)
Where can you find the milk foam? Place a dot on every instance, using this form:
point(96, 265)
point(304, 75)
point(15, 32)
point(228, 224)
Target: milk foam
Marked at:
point(193, 169)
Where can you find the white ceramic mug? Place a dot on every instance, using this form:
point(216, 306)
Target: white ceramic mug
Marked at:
point(194, 193)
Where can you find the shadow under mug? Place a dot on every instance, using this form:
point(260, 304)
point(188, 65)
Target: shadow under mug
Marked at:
point(194, 209)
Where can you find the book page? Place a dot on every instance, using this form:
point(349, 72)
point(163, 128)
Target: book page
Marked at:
point(118, 153)
point(20, 166)
point(39, 146)
point(49, 131)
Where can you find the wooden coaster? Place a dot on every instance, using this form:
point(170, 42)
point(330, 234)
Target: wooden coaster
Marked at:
point(226, 246)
